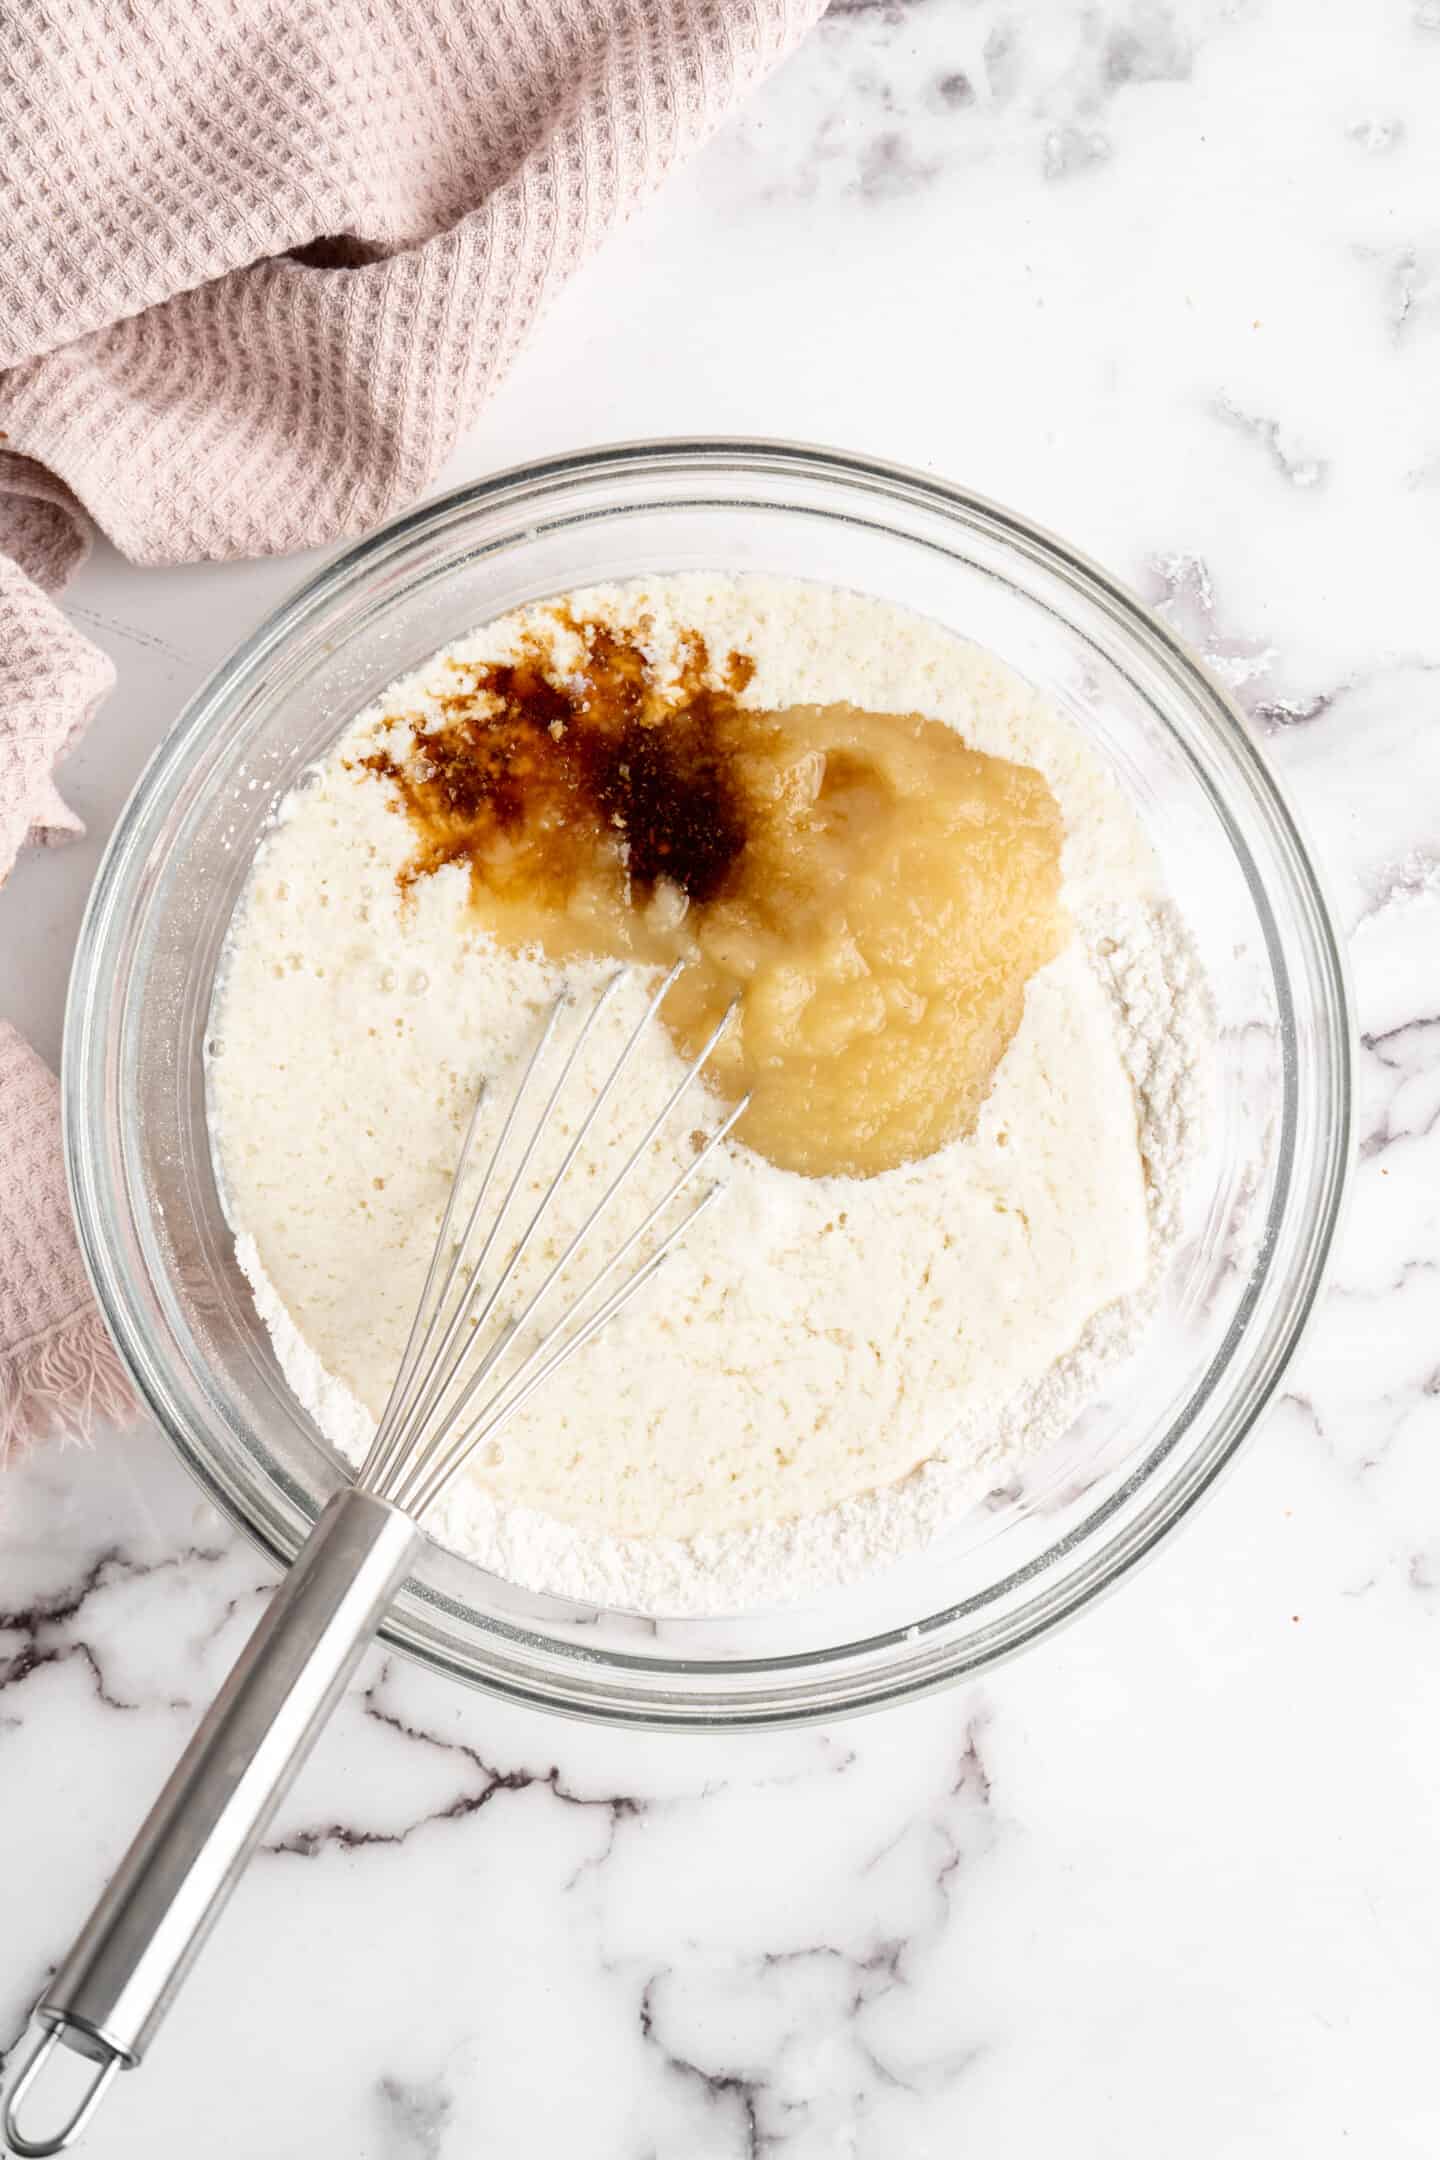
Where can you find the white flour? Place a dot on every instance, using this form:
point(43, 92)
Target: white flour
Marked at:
point(829, 1371)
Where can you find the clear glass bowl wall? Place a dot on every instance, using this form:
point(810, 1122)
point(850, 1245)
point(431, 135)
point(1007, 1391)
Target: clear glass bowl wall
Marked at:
point(1067, 1525)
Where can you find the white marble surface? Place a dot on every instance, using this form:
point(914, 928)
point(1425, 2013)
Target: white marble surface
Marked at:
point(1167, 278)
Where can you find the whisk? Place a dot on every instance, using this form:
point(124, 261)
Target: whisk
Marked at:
point(469, 1364)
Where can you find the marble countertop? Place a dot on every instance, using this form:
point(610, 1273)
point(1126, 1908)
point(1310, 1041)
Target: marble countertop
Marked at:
point(1167, 278)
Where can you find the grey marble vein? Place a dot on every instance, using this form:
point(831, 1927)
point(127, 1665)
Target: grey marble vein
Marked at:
point(45, 1623)
point(416, 2116)
point(484, 1783)
point(1289, 459)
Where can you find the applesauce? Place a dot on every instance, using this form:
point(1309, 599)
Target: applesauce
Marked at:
point(874, 893)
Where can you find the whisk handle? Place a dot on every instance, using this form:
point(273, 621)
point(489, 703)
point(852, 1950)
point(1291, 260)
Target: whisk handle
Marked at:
point(112, 1991)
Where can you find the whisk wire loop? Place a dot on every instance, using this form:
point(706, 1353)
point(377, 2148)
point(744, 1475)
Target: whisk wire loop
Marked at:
point(387, 1447)
point(437, 1464)
point(443, 1365)
point(477, 1318)
point(505, 1341)
point(449, 1368)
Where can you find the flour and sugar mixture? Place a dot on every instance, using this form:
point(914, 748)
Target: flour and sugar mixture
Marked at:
point(968, 1028)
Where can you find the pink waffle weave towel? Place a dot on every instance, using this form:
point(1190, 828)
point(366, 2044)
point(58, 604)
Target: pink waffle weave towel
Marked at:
point(261, 262)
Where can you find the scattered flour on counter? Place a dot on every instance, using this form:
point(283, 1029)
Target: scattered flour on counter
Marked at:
point(829, 1371)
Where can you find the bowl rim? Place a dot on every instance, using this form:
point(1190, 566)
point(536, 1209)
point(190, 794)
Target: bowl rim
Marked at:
point(84, 1053)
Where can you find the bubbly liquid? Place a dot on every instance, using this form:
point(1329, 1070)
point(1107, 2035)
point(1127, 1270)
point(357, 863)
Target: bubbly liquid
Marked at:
point(875, 893)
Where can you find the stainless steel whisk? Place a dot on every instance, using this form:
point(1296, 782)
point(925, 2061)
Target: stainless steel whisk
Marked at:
point(468, 1366)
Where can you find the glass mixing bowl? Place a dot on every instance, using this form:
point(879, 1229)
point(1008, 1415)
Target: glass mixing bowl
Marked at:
point(1067, 1525)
